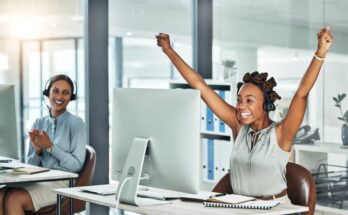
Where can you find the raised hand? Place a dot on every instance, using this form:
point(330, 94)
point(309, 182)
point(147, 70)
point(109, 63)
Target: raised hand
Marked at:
point(163, 41)
point(45, 140)
point(325, 40)
point(34, 136)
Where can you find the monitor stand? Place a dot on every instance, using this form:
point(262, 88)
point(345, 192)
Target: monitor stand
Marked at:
point(133, 168)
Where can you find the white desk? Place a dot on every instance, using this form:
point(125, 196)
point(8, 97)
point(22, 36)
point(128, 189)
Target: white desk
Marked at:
point(6, 178)
point(177, 206)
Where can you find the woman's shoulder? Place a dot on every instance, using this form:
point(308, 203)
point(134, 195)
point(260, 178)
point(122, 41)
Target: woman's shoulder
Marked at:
point(74, 119)
point(41, 120)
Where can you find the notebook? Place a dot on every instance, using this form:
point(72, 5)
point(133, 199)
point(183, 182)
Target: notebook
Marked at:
point(256, 204)
point(229, 198)
point(217, 197)
point(28, 170)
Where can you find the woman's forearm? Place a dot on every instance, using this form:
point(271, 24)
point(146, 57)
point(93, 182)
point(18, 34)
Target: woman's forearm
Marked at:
point(309, 78)
point(193, 78)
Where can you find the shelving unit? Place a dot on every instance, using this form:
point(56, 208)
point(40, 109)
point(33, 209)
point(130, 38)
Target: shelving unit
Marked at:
point(312, 155)
point(216, 137)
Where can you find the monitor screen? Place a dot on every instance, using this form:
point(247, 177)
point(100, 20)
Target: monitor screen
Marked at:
point(171, 120)
point(8, 122)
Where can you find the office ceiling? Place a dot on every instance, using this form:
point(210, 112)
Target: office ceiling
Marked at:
point(296, 12)
point(65, 17)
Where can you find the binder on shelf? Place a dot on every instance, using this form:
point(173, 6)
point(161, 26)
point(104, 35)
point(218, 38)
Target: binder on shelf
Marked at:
point(216, 118)
point(225, 154)
point(209, 119)
point(221, 123)
point(204, 159)
point(217, 164)
point(203, 116)
point(210, 159)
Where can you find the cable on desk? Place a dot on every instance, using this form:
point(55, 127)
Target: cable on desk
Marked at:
point(119, 193)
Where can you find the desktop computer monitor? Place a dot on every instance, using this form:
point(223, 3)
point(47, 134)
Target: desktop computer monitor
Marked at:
point(8, 122)
point(170, 119)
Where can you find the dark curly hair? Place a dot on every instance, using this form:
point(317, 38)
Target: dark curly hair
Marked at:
point(260, 80)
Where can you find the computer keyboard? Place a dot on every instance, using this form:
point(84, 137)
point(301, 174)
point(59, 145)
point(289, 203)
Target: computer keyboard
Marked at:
point(143, 191)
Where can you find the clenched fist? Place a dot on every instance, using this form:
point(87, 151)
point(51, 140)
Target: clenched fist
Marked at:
point(163, 41)
point(325, 40)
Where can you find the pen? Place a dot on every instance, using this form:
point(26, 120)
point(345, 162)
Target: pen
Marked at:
point(6, 161)
point(217, 195)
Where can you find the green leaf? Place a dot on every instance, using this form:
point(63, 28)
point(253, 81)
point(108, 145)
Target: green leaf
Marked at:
point(335, 99)
point(337, 105)
point(345, 115)
point(340, 118)
point(341, 97)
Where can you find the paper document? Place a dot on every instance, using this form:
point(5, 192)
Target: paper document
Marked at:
point(29, 170)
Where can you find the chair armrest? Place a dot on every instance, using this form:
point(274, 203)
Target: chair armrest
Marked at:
point(224, 185)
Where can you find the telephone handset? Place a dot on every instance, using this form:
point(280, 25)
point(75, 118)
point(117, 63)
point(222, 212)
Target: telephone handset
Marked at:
point(306, 135)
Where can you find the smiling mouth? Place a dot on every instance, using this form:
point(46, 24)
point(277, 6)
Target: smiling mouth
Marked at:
point(245, 115)
point(58, 102)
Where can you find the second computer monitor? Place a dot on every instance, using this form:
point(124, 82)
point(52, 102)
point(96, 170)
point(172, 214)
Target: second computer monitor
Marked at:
point(8, 122)
point(170, 118)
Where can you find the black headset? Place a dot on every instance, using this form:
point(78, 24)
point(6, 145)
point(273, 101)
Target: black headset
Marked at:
point(268, 105)
point(49, 83)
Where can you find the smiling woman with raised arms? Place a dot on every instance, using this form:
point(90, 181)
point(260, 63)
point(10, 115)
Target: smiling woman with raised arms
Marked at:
point(261, 146)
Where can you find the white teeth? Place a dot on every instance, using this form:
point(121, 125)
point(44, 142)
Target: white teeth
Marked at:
point(244, 115)
point(58, 102)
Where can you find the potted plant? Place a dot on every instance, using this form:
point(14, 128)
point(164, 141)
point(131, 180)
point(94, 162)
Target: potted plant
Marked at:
point(344, 117)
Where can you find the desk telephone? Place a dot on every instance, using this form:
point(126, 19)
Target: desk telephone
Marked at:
point(306, 135)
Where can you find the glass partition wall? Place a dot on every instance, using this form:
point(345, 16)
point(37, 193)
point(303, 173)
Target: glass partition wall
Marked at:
point(40, 39)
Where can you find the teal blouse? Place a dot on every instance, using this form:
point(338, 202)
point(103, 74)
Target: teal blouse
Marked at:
point(67, 133)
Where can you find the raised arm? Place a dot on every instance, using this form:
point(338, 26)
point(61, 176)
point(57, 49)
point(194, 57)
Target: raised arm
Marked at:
point(223, 110)
point(289, 126)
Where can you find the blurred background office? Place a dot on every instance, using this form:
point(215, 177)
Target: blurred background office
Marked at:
point(40, 38)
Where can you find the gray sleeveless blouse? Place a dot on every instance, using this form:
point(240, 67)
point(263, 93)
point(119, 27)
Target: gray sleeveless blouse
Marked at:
point(259, 171)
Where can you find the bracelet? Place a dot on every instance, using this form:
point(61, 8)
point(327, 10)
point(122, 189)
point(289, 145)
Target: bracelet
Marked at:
point(318, 58)
point(49, 149)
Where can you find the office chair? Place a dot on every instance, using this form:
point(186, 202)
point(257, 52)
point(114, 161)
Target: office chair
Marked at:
point(84, 179)
point(301, 186)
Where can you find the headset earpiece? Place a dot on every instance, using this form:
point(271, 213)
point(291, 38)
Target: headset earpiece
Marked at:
point(268, 107)
point(268, 104)
point(73, 96)
point(45, 92)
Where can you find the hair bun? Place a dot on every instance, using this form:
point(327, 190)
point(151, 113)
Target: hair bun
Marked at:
point(268, 85)
point(273, 96)
point(247, 77)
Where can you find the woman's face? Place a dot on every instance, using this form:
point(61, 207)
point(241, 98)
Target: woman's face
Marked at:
point(59, 97)
point(250, 104)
